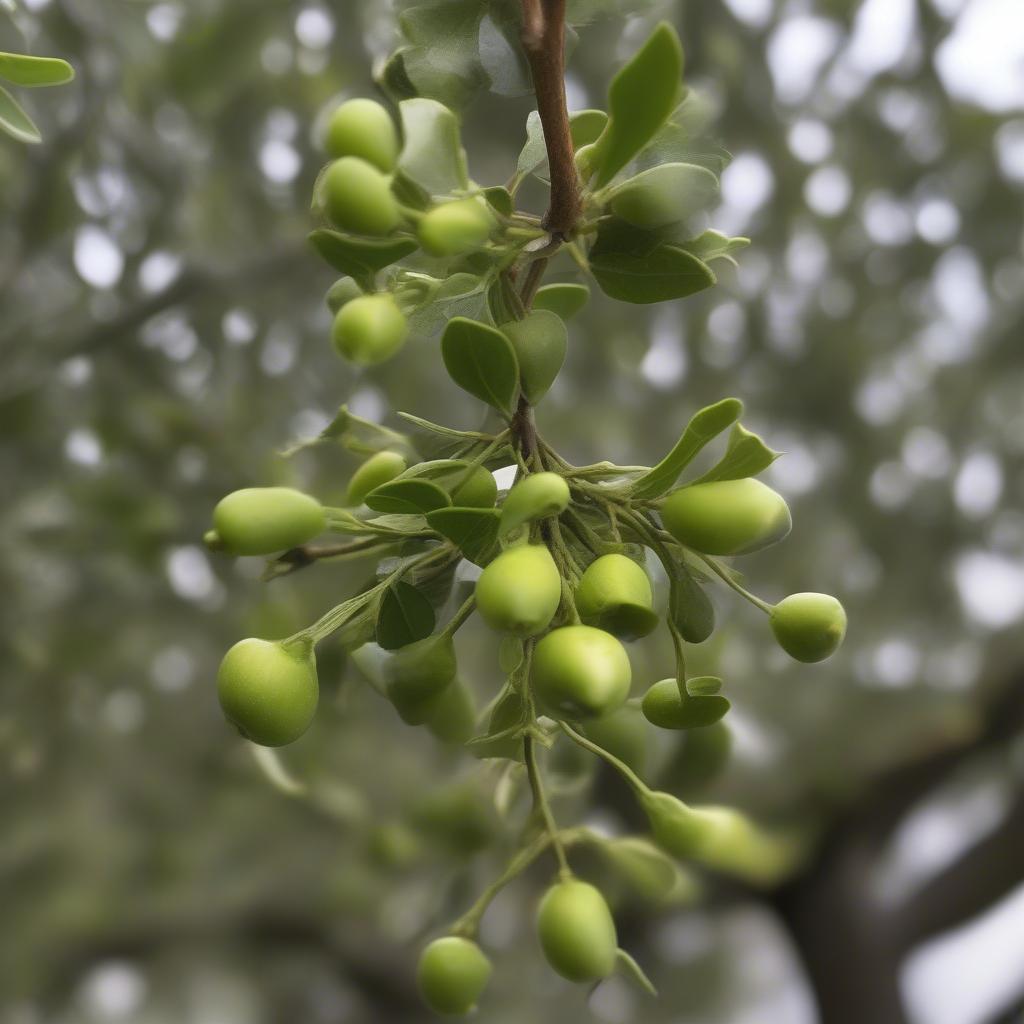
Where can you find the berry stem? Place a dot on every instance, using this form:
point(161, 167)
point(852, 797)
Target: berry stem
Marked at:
point(540, 803)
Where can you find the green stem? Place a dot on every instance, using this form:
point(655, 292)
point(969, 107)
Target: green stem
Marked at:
point(627, 773)
point(460, 616)
point(540, 803)
point(729, 581)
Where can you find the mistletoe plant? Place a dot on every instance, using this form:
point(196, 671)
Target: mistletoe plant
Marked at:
point(563, 582)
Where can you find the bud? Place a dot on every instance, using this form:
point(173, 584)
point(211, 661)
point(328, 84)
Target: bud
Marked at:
point(343, 290)
point(726, 517)
point(478, 490)
point(580, 672)
point(452, 975)
point(357, 198)
point(369, 329)
point(455, 228)
point(265, 520)
point(520, 590)
point(363, 128)
point(536, 496)
point(577, 932)
point(809, 627)
point(269, 690)
point(374, 472)
point(615, 595)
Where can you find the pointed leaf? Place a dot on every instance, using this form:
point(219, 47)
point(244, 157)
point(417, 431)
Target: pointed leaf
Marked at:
point(29, 71)
point(689, 606)
point(713, 245)
point(405, 616)
point(482, 361)
point(746, 455)
point(360, 258)
point(666, 273)
point(704, 426)
point(564, 299)
point(432, 153)
point(664, 195)
point(641, 97)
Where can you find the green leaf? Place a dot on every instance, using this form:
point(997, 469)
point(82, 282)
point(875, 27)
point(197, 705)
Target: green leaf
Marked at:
point(357, 435)
point(668, 272)
point(664, 195)
point(746, 455)
point(511, 652)
point(14, 121)
point(504, 729)
point(482, 361)
point(689, 607)
point(713, 245)
point(407, 497)
point(564, 299)
point(432, 153)
point(500, 199)
point(26, 70)
point(405, 616)
point(541, 341)
point(636, 972)
point(460, 295)
point(704, 425)
point(501, 54)
point(443, 60)
point(684, 138)
point(473, 530)
point(641, 97)
point(703, 686)
point(360, 258)
point(648, 870)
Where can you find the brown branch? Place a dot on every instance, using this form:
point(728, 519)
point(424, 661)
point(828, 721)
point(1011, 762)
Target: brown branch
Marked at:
point(543, 40)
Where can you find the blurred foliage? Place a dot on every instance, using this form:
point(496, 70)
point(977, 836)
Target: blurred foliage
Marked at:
point(163, 333)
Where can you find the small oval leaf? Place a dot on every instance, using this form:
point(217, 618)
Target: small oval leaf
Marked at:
point(407, 497)
point(482, 361)
point(405, 616)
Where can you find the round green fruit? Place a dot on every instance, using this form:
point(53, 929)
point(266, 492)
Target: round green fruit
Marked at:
point(726, 517)
point(369, 329)
point(520, 590)
point(809, 627)
point(376, 470)
point(577, 932)
point(269, 690)
point(363, 128)
point(264, 520)
point(615, 594)
point(580, 672)
point(416, 675)
point(663, 707)
point(477, 490)
point(357, 197)
point(536, 496)
point(452, 975)
point(455, 228)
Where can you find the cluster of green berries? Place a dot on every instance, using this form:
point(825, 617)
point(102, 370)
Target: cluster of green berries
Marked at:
point(562, 553)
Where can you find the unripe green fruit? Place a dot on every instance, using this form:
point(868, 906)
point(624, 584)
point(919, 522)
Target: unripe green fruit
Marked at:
point(580, 672)
point(376, 470)
point(536, 496)
point(615, 594)
point(363, 128)
point(677, 827)
point(342, 291)
point(540, 340)
point(809, 627)
point(269, 690)
point(726, 517)
point(662, 706)
point(369, 329)
point(264, 520)
point(417, 674)
point(357, 197)
point(452, 974)
point(478, 490)
point(519, 592)
point(454, 228)
point(624, 734)
point(577, 932)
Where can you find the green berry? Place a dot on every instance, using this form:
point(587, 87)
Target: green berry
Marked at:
point(580, 672)
point(536, 496)
point(264, 520)
point(664, 195)
point(363, 128)
point(357, 197)
point(577, 932)
point(455, 228)
point(520, 590)
point(809, 627)
point(477, 490)
point(726, 517)
point(615, 594)
point(417, 674)
point(452, 975)
point(662, 705)
point(369, 329)
point(376, 470)
point(268, 690)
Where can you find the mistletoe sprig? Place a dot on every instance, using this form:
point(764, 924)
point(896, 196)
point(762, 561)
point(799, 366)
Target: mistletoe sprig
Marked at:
point(563, 552)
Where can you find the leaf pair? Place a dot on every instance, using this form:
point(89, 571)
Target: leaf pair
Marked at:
point(29, 72)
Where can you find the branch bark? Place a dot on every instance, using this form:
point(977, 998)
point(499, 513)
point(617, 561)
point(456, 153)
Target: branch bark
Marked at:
point(543, 39)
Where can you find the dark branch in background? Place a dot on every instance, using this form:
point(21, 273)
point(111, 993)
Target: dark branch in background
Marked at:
point(544, 43)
